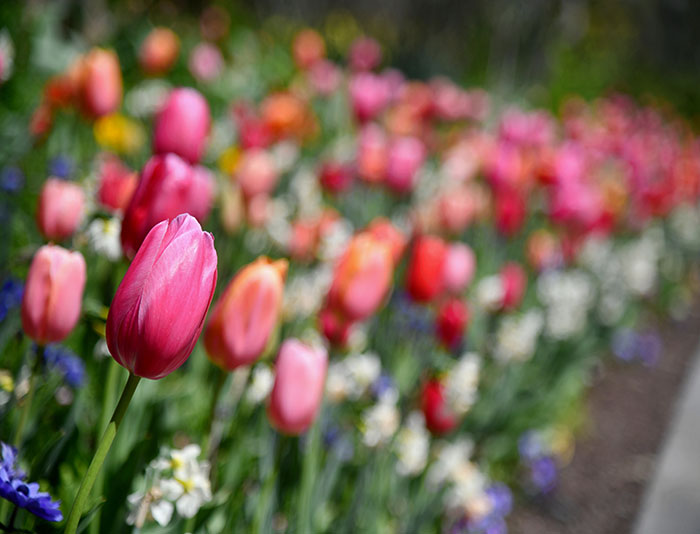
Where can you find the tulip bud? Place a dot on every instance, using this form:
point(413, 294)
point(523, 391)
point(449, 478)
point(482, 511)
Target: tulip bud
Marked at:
point(362, 277)
point(335, 177)
point(256, 173)
point(439, 417)
point(425, 270)
point(460, 264)
point(245, 316)
point(158, 311)
point(385, 231)
point(99, 83)
point(117, 184)
point(452, 319)
point(308, 48)
point(514, 281)
point(365, 54)
point(53, 294)
point(60, 210)
point(335, 328)
point(372, 154)
point(168, 187)
point(182, 125)
point(510, 212)
point(406, 156)
point(300, 376)
point(369, 95)
point(159, 51)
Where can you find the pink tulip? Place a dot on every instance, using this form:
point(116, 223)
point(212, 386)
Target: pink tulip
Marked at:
point(406, 156)
point(365, 53)
point(325, 77)
point(206, 62)
point(158, 311)
point(459, 267)
point(182, 125)
point(300, 376)
point(53, 294)
point(99, 83)
point(61, 208)
point(245, 316)
point(369, 95)
point(256, 173)
point(117, 184)
point(168, 187)
point(514, 282)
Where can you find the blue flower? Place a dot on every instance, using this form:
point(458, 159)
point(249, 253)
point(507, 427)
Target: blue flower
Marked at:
point(543, 474)
point(11, 293)
point(11, 179)
point(61, 167)
point(70, 366)
point(23, 494)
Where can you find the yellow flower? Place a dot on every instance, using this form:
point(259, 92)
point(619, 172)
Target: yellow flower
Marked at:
point(229, 159)
point(119, 133)
point(6, 382)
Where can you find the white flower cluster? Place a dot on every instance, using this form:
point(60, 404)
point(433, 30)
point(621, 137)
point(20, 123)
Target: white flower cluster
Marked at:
point(261, 382)
point(177, 481)
point(567, 296)
point(146, 98)
point(380, 422)
point(304, 292)
point(640, 261)
point(466, 484)
point(103, 237)
point(412, 445)
point(516, 337)
point(684, 224)
point(462, 383)
point(489, 292)
point(352, 376)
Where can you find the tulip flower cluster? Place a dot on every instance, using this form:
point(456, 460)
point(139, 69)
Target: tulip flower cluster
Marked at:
point(392, 280)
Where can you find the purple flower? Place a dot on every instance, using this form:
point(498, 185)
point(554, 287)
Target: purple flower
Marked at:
point(381, 385)
point(501, 499)
point(530, 445)
point(543, 474)
point(10, 296)
point(61, 167)
point(11, 179)
point(23, 494)
point(70, 366)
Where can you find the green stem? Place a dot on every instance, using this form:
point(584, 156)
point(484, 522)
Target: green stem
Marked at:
point(29, 397)
point(308, 477)
point(107, 403)
point(218, 387)
point(100, 454)
point(11, 522)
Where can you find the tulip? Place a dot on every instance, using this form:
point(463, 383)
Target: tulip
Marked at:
point(60, 210)
point(325, 77)
point(372, 153)
point(510, 212)
point(335, 177)
point(182, 125)
point(53, 294)
point(406, 156)
point(300, 376)
point(425, 270)
point(385, 231)
point(369, 95)
point(168, 187)
point(159, 51)
point(334, 327)
point(439, 417)
point(99, 83)
point(514, 282)
point(286, 115)
point(452, 319)
point(362, 277)
point(365, 53)
point(206, 62)
point(308, 48)
point(460, 265)
point(256, 173)
point(117, 184)
point(158, 311)
point(245, 316)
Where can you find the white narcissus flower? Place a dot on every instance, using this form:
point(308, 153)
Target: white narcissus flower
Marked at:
point(463, 382)
point(412, 445)
point(516, 337)
point(379, 423)
point(489, 293)
point(104, 237)
point(260, 385)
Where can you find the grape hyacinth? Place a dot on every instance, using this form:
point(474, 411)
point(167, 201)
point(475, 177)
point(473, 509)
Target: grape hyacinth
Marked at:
point(66, 363)
point(23, 494)
point(10, 296)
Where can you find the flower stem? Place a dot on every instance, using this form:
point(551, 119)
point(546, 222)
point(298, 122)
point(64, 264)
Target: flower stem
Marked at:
point(100, 454)
point(218, 386)
point(11, 522)
point(27, 403)
point(308, 477)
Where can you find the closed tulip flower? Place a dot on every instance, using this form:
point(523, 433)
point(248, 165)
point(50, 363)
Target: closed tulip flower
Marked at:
point(182, 125)
point(168, 187)
point(362, 277)
point(459, 268)
point(117, 184)
point(452, 320)
point(439, 417)
point(246, 315)
point(300, 376)
point(159, 51)
point(308, 48)
point(514, 281)
point(425, 271)
point(406, 156)
point(158, 311)
point(53, 294)
point(99, 83)
point(256, 173)
point(61, 209)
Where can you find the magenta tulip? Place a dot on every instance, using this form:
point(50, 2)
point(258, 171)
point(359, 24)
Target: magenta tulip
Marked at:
point(61, 208)
point(168, 187)
point(300, 376)
point(182, 125)
point(53, 294)
point(459, 267)
point(158, 311)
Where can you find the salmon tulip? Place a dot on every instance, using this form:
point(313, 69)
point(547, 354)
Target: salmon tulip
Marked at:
point(117, 184)
point(246, 315)
point(53, 294)
point(159, 308)
point(61, 209)
point(99, 83)
point(300, 376)
point(159, 51)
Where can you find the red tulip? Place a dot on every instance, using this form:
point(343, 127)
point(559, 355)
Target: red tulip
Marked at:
point(460, 264)
point(439, 418)
point(300, 376)
point(425, 278)
point(117, 184)
point(168, 187)
point(53, 294)
point(514, 282)
point(99, 83)
point(452, 319)
point(510, 212)
point(159, 51)
point(182, 125)
point(158, 311)
point(335, 177)
point(60, 210)
point(334, 327)
point(362, 277)
point(245, 316)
